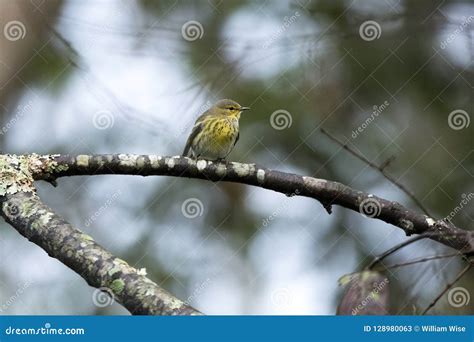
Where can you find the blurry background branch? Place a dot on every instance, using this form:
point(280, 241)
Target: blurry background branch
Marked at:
point(327, 192)
point(448, 286)
point(381, 169)
point(15, 54)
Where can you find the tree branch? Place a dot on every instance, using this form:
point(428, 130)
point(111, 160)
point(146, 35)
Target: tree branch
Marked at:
point(396, 248)
point(23, 209)
point(420, 260)
point(50, 167)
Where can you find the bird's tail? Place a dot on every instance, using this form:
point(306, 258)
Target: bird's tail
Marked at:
point(186, 150)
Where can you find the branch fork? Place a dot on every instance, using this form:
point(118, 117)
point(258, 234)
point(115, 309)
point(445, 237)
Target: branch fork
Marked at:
point(23, 209)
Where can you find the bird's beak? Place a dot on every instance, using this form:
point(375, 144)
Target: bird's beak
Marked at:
point(244, 108)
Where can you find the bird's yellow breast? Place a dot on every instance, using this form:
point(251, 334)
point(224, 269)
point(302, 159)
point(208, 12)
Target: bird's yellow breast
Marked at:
point(224, 132)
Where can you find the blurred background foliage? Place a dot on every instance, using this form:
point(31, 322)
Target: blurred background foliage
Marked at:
point(120, 77)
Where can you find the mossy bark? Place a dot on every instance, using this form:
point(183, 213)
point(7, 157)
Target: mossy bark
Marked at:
point(23, 209)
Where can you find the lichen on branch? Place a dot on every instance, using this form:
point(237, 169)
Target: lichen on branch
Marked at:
point(327, 192)
point(22, 208)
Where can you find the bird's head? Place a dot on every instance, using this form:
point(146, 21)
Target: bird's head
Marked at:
point(229, 107)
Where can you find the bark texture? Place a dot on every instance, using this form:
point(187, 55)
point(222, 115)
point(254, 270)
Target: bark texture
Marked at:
point(327, 192)
point(23, 209)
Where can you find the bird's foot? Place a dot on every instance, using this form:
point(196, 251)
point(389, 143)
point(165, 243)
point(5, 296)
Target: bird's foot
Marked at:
point(220, 160)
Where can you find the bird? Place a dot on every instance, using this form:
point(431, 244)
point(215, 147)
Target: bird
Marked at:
point(215, 132)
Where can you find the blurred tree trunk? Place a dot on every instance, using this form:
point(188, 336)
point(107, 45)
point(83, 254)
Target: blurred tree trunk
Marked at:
point(22, 31)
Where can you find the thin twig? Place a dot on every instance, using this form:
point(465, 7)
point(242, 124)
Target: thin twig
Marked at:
point(396, 248)
point(417, 261)
point(381, 169)
point(77, 61)
point(448, 286)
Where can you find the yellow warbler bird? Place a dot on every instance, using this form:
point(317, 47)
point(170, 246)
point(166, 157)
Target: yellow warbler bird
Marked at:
point(215, 132)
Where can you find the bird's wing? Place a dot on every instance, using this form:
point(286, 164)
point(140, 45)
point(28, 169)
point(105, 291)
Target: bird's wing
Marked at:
point(196, 129)
point(198, 125)
point(237, 139)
